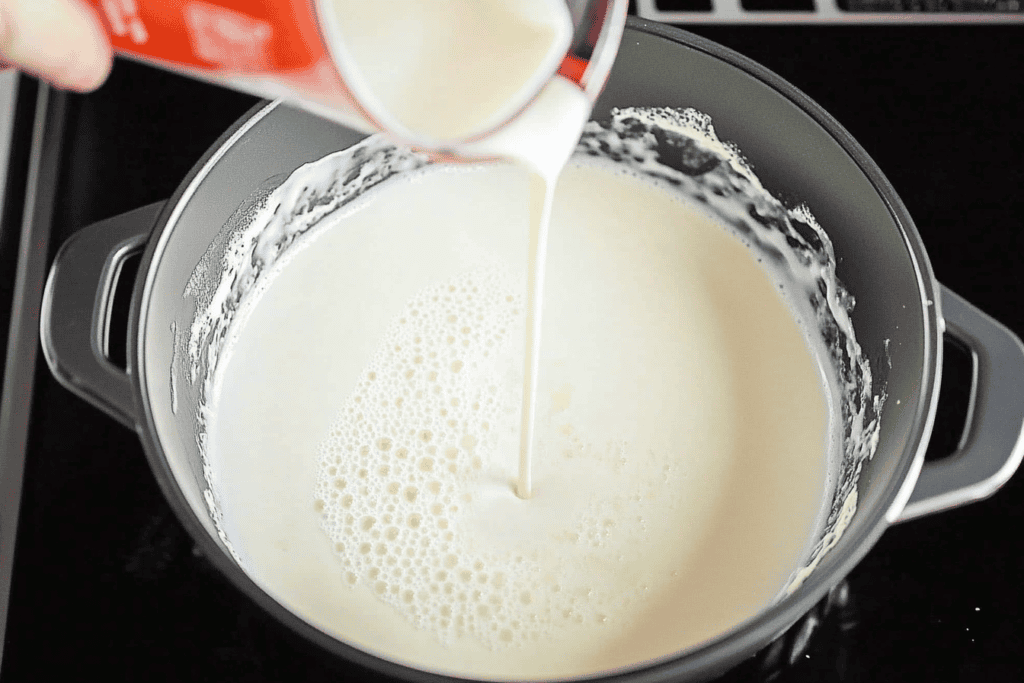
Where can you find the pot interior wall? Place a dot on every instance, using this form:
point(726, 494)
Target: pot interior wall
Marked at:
point(794, 155)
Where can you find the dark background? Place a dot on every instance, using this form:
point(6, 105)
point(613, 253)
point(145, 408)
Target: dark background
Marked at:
point(107, 583)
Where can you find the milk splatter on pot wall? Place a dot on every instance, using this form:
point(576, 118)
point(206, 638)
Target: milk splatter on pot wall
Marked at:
point(680, 148)
point(239, 263)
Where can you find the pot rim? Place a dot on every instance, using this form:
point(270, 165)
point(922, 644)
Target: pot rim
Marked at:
point(714, 656)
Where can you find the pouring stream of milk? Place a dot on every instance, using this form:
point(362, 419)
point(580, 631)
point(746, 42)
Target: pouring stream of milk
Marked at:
point(444, 86)
point(542, 139)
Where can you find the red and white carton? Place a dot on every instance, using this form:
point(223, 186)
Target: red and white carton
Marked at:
point(270, 48)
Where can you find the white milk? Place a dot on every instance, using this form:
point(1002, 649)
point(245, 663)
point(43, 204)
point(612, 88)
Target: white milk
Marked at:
point(445, 70)
point(541, 141)
point(454, 69)
point(365, 427)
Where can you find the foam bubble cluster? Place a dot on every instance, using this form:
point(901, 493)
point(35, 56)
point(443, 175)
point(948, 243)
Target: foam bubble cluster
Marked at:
point(408, 438)
point(435, 410)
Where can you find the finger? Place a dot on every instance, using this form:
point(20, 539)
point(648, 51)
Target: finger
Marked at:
point(61, 41)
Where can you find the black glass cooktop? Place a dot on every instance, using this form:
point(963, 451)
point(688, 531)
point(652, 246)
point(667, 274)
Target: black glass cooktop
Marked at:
point(107, 584)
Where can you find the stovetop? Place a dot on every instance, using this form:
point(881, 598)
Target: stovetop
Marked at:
point(107, 583)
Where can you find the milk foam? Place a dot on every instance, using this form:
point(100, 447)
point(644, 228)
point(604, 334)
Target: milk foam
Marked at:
point(392, 473)
point(408, 480)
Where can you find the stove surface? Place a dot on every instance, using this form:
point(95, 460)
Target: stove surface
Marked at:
point(107, 583)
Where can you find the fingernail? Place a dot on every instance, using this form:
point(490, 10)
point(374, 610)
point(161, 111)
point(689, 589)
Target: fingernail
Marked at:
point(84, 77)
point(86, 84)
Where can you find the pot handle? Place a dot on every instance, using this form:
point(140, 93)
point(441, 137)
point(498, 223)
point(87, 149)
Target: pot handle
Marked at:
point(75, 314)
point(993, 441)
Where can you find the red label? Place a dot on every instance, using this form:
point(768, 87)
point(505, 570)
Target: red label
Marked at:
point(231, 36)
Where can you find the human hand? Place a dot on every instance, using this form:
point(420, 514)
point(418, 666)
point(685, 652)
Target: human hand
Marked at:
point(60, 41)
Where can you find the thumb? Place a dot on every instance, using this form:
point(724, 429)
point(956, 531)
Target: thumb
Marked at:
point(61, 41)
